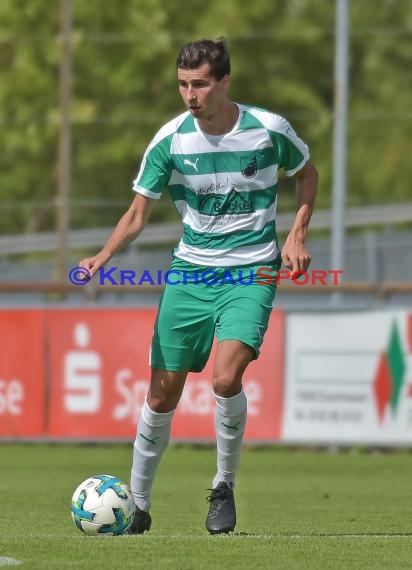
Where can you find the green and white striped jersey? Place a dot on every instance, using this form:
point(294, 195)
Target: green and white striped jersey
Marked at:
point(224, 187)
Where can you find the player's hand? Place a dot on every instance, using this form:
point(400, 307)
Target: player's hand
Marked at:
point(92, 264)
point(295, 256)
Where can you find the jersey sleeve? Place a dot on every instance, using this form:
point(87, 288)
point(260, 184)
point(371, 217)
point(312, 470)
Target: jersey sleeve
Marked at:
point(291, 151)
point(155, 169)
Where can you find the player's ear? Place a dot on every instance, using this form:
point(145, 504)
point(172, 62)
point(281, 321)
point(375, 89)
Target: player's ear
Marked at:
point(226, 82)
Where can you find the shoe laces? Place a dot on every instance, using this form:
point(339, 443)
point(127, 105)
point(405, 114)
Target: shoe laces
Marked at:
point(219, 493)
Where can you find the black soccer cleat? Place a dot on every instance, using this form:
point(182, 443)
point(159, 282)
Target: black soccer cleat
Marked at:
point(141, 523)
point(221, 517)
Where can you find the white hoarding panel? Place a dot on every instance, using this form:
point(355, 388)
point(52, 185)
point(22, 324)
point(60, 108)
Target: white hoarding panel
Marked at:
point(349, 378)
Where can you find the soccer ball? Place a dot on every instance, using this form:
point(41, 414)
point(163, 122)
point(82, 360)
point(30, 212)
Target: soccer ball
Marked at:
point(103, 505)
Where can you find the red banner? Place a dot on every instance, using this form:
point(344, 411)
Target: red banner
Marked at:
point(100, 372)
point(22, 373)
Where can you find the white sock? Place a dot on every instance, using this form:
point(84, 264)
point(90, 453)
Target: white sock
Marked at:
point(230, 421)
point(153, 433)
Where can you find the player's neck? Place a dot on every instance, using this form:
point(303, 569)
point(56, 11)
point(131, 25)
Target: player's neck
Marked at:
point(222, 122)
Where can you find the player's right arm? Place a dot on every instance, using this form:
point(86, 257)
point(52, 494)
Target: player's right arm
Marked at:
point(130, 225)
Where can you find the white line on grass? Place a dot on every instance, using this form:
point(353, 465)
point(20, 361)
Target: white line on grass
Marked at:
point(354, 535)
point(7, 561)
point(267, 536)
point(230, 536)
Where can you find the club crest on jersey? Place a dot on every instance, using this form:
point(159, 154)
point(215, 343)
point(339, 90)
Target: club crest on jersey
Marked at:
point(248, 166)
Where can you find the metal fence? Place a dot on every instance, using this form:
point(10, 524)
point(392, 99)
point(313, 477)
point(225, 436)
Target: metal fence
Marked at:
point(377, 270)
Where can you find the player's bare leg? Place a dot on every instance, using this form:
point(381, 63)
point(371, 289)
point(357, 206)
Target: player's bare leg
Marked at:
point(232, 358)
point(153, 433)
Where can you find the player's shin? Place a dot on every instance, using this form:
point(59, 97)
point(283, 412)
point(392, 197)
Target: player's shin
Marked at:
point(230, 421)
point(153, 433)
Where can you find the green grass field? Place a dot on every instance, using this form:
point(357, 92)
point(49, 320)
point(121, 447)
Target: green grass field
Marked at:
point(295, 510)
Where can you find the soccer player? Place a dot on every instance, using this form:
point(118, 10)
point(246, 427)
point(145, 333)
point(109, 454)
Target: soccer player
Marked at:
point(220, 162)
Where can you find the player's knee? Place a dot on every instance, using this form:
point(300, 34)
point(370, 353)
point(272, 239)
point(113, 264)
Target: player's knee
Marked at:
point(165, 390)
point(161, 403)
point(226, 385)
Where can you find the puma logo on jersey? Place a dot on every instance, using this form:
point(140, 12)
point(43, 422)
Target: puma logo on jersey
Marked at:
point(190, 163)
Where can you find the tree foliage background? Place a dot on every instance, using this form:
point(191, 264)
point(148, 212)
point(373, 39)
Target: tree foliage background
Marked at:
point(124, 88)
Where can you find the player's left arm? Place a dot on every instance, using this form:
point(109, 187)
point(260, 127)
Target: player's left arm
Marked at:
point(294, 253)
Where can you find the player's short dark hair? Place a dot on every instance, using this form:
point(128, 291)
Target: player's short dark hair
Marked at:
point(195, 54)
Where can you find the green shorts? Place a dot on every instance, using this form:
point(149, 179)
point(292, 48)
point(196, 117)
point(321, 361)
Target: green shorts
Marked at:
point(200, 302)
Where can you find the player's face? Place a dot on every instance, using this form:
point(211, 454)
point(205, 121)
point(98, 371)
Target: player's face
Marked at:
point(201, 92)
